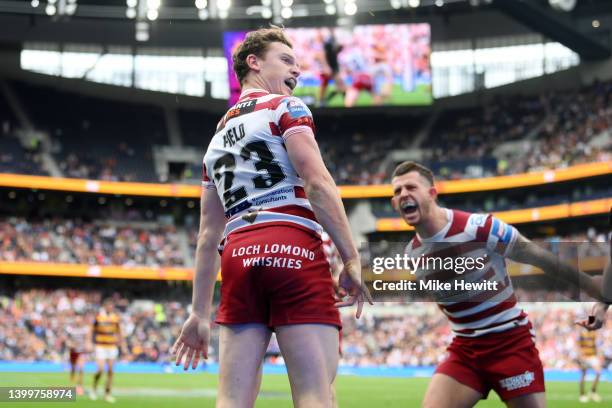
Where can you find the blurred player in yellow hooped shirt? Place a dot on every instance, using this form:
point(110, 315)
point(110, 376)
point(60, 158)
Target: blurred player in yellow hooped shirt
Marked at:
point(588, 357)
point(107, 337)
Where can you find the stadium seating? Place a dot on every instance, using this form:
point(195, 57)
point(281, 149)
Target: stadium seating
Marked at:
point(99, 139)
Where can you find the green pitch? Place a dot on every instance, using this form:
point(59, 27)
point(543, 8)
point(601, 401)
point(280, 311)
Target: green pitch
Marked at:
point(198, 390)
point(420, 96)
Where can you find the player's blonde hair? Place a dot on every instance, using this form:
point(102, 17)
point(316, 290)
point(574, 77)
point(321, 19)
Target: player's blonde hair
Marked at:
point(408, 166)
point(256, 42)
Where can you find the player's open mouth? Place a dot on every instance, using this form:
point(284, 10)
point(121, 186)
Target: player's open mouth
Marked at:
point(291, 83)
point(409, 207)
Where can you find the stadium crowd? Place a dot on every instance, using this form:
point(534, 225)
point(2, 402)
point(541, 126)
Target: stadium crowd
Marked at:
point(34, 324)
point(35, 321)
point(75, 241)
point(150, 244)
point(554, 130)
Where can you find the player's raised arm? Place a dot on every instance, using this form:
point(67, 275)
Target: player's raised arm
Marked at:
point(193, 340)
point(527, 252)
point(323, 195)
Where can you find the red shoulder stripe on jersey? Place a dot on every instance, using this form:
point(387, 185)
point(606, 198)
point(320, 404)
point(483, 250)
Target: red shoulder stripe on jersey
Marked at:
point(460, 219)
point(271, 104)
point(504, 305)
point(287, 122)
point(482, 233)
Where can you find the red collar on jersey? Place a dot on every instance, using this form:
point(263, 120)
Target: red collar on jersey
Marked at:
point(252, 93)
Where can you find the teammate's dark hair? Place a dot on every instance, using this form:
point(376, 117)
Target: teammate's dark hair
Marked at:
point(408, 166)
point(256, 42)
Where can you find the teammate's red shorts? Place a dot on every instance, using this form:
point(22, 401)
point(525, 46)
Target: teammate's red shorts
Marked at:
point(362, 82)
point(276, 275)
point(325, 78)
point(507, 362)
point(74, 356)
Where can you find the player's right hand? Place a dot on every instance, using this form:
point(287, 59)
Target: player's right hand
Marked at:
point(350, 283)
point(596, 318)
point(192, 342)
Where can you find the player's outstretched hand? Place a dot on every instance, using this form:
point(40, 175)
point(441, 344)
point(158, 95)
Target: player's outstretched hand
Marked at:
point(192, 342)
point(596, 318)
point(350, 284)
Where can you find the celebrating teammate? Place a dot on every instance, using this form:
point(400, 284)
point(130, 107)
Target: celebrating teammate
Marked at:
point(589, 358)
point(77, 339)
point(493, 347)
point(106, 338)
point(265, 191)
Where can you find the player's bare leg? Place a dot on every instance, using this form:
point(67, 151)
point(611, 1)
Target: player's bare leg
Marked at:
point(100, 369)
point(536, 400)
point(322, 91)
point(351, 97)
point(258, 382)
point(339, 88)
point(383, 94)
point(446, 392)
point(311, 354)
point(79, 375)
point(73, 373)
point(109, 383)
point(583, 396)
point(241, 351)
point(333, 394)
point(334, 402)
point(593, 394)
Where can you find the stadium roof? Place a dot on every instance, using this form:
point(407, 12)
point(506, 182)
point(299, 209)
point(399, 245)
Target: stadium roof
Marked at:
point(200, 22)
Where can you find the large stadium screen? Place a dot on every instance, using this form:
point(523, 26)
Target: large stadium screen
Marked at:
point(363, 66)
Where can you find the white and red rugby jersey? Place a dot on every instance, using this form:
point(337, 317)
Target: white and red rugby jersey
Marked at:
point(248, 165)
point(77, 336)
point(473, 312)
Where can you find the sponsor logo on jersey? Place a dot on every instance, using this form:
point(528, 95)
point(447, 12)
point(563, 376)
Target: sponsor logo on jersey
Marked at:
point(241, 109)
point(518, 381)
point(297, 109)
point(250, 217)
point(238, 208)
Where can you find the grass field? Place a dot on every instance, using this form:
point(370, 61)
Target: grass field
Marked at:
point(420, 96)
point(198, 390)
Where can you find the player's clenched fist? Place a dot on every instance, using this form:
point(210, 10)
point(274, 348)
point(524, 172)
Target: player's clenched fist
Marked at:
point(192, 342)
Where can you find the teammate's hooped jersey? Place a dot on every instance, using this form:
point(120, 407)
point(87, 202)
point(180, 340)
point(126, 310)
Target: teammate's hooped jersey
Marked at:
point(248, 165)
point(486, 240)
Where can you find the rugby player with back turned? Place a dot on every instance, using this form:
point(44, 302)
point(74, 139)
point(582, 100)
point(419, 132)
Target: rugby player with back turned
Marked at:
point(266, 196)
